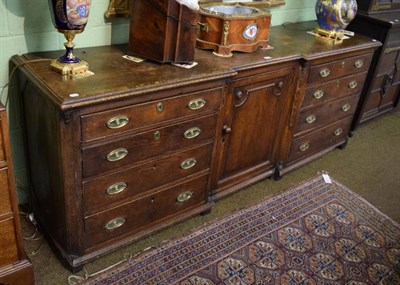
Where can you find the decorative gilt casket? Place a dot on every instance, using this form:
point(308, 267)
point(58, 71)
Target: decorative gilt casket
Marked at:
point(224, 28)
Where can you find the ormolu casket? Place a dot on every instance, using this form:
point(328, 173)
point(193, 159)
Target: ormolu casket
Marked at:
point(225, 28)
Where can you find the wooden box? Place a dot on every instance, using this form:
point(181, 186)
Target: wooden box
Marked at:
point(162, 30)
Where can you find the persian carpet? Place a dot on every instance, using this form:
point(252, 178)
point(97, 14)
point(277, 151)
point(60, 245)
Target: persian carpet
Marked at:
point(314, 233)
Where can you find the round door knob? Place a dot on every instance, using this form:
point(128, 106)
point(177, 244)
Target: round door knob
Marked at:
point(226, 129)
point(239, 94)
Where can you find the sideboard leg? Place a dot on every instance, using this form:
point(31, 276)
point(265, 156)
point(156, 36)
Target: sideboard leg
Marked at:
point(277, 174)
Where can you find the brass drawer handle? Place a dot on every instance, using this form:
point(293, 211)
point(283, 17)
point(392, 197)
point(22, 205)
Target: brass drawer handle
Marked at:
point(359, 63)
point(192, 133)
point(319, 94)
point(184, 196)
point(116, 188)
point(203, 27)
point(338, 132)
point(188, 163)
point(160, 107)
point(196, 104)
point(325, 72)
point(117, 154)
point(346, 107)
point(117, 122)
point(115, 223)
point(304, 147)
point(311, 119)
point(353, 84)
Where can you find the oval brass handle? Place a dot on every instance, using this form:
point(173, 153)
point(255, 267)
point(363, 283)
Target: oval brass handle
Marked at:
point(116, 188)
point(184, 196)
point(346, 107)
point(359, 63)
point(319, 94)
point(338, 132)
point(311, 119)
point(196, 104)
point(117, 154)
point(325, 72)
point(304, 147)
point(188, 163)
point(353, 84)
point(192, 133)
point(115, 223)
point(117, 122)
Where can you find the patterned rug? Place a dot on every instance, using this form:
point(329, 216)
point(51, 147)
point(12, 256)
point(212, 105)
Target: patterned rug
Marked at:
point(316, 233)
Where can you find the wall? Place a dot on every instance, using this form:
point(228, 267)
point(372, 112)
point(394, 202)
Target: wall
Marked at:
point(25, 26)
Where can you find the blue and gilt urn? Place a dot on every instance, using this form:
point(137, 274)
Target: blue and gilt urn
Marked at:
point(70, 18)
point(335, 15)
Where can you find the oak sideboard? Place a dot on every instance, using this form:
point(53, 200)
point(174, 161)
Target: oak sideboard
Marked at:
point(137, 147)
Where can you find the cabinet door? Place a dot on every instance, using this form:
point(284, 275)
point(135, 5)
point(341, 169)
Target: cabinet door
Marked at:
point(256, 109)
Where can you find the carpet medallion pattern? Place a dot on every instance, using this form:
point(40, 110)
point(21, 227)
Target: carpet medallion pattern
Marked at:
point(315, 233)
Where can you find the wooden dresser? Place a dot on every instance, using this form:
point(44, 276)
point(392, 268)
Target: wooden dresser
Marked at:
point(382, 92)
point(15, 268)
point(140, 146)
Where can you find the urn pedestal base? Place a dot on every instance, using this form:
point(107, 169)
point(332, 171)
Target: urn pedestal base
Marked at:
point(72, 69)
point(332, 37)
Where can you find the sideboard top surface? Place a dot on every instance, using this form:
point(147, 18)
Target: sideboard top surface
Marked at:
point(115, 77)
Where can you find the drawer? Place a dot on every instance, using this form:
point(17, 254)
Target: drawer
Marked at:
point(121, 120)
point(114, 155)
point(327, 113)
point(319, 139)
point(106, 190)
point(145, 212)
point(8, 243)
point(335, 69)
point(335, 89)
point(5, 203)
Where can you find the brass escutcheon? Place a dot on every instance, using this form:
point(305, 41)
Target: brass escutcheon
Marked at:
point(157, 135)
point(160, 107)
